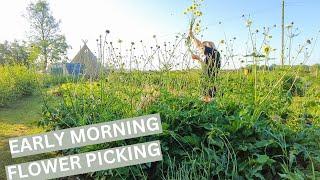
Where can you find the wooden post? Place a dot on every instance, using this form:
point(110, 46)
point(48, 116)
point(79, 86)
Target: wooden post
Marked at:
point(282, 36)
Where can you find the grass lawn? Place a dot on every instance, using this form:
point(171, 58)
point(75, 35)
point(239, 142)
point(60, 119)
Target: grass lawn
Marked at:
point(17, 120)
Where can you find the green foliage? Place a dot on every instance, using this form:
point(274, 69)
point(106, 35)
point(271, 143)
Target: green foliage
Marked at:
point(45, 32)
point(234, 137)
point(14, 53)
point(16, 81)
point(48, 80)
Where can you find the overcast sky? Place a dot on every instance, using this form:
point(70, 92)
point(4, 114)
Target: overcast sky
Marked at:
point(135, 20)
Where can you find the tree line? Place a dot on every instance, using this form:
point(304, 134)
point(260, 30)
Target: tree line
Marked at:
point(45, 43)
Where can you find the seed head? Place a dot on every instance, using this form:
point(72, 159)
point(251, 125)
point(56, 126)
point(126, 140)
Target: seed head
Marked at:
point(309, 41)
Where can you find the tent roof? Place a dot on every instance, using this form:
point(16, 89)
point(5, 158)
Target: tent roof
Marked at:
point(84, 55)
point(89, 60)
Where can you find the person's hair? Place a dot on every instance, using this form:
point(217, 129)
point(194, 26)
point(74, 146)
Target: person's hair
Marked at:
point(208, 44)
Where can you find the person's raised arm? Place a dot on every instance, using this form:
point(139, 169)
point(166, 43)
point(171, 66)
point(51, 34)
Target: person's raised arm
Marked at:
point(197, 42)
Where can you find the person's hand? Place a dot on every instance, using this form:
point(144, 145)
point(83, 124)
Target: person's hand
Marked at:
point(195, 57)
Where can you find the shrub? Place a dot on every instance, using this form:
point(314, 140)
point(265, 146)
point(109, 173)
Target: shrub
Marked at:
point(16, 81)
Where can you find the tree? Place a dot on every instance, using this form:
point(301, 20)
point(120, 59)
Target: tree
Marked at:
point(14, 53)
point(45, 33)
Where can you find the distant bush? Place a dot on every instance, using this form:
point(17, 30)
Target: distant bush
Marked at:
point(49, 80)
point(16, 81)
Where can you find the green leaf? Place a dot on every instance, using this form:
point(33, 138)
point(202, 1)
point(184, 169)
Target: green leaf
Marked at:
point(263, 143)
point(264, 159)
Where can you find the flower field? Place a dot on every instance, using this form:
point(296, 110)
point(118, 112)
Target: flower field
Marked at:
point(236, 84)
point(264, 128)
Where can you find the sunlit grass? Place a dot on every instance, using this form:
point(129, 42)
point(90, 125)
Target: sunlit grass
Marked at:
point(19, 119)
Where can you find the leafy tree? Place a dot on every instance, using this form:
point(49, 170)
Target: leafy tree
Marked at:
point(45, 33)
point(34, 52)
point(14, 53)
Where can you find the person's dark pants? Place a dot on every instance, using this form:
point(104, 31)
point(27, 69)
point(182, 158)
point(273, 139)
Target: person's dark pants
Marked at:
point(210, 74)
point(208, 82)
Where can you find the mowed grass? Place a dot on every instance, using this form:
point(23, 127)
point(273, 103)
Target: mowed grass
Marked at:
point(18, 119)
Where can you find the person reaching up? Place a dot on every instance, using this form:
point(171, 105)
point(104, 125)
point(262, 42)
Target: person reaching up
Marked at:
point(210, 65)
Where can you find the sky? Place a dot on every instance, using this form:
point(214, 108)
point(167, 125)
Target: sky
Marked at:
point(135, 20)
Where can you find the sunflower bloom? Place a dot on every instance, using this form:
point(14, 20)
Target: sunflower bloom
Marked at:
point(266, 50)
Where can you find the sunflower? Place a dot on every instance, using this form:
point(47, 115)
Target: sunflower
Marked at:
point(266, 50)
point(197, 29)
point(198, 13)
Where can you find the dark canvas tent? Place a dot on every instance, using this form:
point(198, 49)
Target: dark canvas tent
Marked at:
point(89, 61)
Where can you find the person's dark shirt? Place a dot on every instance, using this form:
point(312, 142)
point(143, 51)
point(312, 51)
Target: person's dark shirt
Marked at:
point(212, 61)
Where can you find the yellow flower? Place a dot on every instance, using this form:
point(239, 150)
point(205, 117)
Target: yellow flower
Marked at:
point(248, 23)
point(266, 50)
point(198, 13)
point(197, 29)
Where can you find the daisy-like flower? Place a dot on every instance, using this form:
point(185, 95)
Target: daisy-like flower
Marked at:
point(198, 13)
point(222, 41)
point(248, 23)
point(197, 29)
point(266, 50)
point(193, 7)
